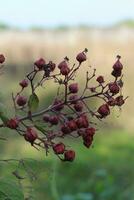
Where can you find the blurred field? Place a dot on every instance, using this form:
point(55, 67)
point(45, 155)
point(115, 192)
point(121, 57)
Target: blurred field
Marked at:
point(105, 172)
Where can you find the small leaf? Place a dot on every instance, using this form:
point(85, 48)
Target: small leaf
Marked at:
point(33, 102)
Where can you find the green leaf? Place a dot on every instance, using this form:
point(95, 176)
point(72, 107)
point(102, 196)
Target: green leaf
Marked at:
point(33, 102)
point(9, 190)
point(3, 113)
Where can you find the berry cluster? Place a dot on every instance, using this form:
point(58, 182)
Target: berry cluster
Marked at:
point(70, 113)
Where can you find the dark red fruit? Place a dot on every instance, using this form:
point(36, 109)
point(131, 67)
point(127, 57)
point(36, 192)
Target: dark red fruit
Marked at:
point(118, 65)
point(30, 135)
point(72, 125)
point(21, 100)
point(2, 58)
point(24, 83)
point(46, 118)
point(111, 102)
point(65, 129)
point(69, 155)
point(78, 106)
point(81, 57)
point(119, 101)
point(116, 73)
point(73, 98)
point(82, 122)
point(100, 79)
point(90, 131)
point(58, 105)
point(114, 88)
point(73, 88)
point(13, 123)
point(40, 63)
point(54, 120)
point(59, 148)
point(63, 64)
point(104, 110)
point(65, 71)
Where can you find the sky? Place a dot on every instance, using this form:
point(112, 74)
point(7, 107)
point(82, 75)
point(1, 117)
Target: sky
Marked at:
point(51, 13)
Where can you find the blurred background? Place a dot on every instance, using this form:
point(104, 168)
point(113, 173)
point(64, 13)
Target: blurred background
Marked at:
point(54, 29)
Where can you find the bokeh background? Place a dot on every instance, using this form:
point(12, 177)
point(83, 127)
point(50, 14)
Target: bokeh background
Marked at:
point(54, 29)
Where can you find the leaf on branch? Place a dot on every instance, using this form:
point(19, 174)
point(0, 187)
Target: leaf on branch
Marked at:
point(33, 102)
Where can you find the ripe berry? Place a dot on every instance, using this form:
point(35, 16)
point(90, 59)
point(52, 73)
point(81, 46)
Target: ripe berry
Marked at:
point(24, 83)
point(104, 110)
point(78, 106)
point(21, 100)
point(82, 122)
point(69, 155)
point(40, 63)
point(114, 88)
point(30, 135)
point(59, 148)
point(72, 125)
point(81, 57)
point(90, 131)
point(65, 71)
point(51, 66)
point(13, 123)
point(73, 98)
point(65, 129)
point(46, 118)
point(63, 64)
point(2, 58)
point(54, 120)
point(119, 101)
point(118, 65)
point(116, 73)
point(73, 88)
point(87, 141)
point(100, 79)
point(58, 105)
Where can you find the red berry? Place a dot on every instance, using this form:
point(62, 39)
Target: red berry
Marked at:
point(54, 120)
point(119, 101)
point(82, 122)
point(73, 98)
point(65, 71)
point(81, 57)
point(65, 129)
point(88, 141)
point(104, 110)
point(90, 131)
point(59, 148)
point(13, 123)
point(2, 58)
point(72, 125)
point(30, 135)
point(46, 118)
point(58, 105)
point(24, 83)
point(118, 65)
point(40, 63)
point(69, 155)
point(73, 88)
point(114, 88)
point(21, 100)
point(78, 106)
point(63, 64)
point(116, 73)
point(100, 79)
